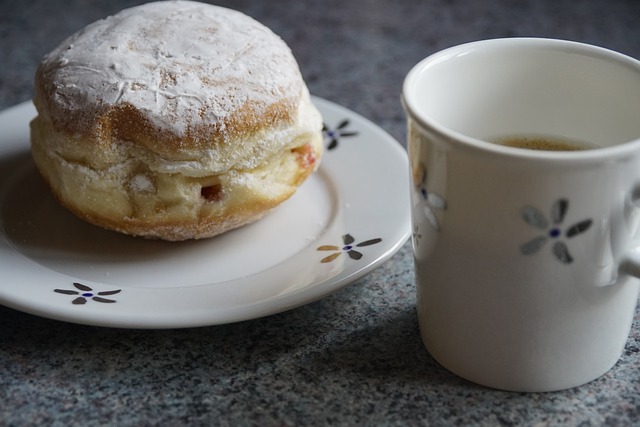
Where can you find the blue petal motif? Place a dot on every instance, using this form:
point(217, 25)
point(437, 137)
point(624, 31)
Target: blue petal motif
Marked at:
point(561, 252)
point(369, 242)
point(559, 210)
point(436, 201)
point(533, 246)
point(431, 217)
point(348, 239)
point(533, 216)
point(578, 228)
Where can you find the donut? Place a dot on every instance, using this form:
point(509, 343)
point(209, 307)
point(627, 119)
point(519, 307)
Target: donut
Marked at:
point(173, 120)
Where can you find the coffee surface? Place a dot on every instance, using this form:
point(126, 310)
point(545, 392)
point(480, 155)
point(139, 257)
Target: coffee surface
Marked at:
point(542, 143)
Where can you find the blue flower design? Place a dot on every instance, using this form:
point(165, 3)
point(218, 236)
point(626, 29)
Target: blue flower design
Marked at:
point(348, 246)
point(553, 230)
point(85, 293)
point(333, 136)
point(416, 235)
point(433, 200)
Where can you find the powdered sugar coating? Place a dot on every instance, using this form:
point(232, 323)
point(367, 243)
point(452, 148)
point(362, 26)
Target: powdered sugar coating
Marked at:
point(185, 65)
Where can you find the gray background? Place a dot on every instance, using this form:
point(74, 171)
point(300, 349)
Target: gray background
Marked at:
point(352, 358)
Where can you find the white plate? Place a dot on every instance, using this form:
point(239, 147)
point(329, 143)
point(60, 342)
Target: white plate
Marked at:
point(54, 265)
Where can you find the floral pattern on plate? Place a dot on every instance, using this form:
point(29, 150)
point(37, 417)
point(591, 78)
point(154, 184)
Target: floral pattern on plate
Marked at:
point(333, 136)
point(348, 247)
point(85, 293)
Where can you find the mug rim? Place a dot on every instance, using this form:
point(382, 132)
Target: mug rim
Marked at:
point(468, 142)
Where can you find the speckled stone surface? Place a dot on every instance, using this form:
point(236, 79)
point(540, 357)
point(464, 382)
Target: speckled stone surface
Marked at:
point(353, 358)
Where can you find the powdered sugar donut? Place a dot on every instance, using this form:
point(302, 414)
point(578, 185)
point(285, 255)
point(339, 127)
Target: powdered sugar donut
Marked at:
point(173, 120)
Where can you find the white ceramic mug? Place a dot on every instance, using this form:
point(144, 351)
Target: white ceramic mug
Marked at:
point(525, 260)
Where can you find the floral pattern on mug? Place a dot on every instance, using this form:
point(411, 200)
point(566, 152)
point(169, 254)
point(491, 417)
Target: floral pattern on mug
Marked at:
point(553, 230)
point(416, 235)
point(432, 200)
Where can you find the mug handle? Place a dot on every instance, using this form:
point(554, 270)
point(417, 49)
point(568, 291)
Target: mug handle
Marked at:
point(631, 263)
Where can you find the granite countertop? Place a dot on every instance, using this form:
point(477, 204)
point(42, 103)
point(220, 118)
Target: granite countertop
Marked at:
point(352, 358)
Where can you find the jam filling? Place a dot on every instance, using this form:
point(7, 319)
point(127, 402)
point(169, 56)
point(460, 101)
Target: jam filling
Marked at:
point(212, 193)
point(306, 155)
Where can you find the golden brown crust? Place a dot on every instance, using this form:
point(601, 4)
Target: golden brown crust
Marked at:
point(171, 206)
point(127, 122)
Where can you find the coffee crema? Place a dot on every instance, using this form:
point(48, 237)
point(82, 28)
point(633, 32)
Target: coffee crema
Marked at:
point(542, 143)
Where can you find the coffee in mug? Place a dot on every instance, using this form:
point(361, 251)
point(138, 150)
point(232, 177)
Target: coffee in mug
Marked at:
point(543, 143)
